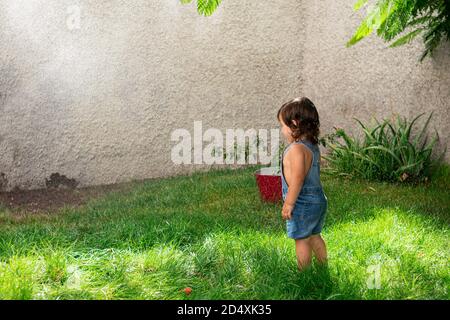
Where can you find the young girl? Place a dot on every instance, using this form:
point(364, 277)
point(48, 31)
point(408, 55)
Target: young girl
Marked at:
point(305, 203)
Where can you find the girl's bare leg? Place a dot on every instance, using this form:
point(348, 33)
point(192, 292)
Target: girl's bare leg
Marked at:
point(304, 253)
point(319, 248)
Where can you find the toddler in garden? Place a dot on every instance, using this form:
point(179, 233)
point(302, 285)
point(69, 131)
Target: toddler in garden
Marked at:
point(304, 201)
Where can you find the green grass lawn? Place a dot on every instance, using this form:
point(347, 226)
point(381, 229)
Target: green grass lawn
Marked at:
point(211, 232)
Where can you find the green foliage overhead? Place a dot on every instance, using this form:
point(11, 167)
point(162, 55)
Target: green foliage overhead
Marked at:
point(205, 7)
point(396, 21)
point(400, 21)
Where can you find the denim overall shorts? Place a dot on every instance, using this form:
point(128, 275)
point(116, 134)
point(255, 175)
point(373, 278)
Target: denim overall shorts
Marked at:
point(308, 216)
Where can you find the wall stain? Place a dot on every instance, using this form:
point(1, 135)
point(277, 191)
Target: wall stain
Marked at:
point(3, 181)
point(57, 180)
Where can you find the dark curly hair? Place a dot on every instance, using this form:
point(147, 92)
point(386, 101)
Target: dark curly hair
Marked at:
point(305, 113)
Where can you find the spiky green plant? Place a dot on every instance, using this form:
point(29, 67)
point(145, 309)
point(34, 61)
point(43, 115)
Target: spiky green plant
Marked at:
point(405, 20)
point(205, 7)
point(389, 151)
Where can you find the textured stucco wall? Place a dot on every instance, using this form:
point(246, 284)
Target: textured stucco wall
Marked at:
point(369, 79)
point(98, 104)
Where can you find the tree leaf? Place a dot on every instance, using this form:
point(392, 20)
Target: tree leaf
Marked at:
point(358, 5)
point(406, 38)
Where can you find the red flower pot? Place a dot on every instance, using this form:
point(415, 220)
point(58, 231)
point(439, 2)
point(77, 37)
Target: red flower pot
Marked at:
point(269, 184)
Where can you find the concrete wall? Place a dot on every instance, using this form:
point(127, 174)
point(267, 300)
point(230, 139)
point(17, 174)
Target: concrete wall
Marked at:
point(98, 104)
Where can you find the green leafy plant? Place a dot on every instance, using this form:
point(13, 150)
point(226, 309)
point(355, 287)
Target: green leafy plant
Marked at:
point(388, 151)
point(400, 21)
point(205, 7)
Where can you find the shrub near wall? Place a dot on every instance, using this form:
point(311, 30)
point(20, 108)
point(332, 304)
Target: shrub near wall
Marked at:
point(392, 150)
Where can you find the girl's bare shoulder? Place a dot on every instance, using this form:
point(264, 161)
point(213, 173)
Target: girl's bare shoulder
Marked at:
point(298, 150)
